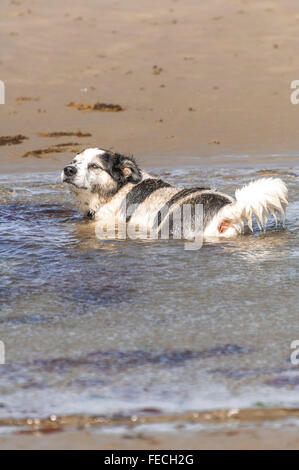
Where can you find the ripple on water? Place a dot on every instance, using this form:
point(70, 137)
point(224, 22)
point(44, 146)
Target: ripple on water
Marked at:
point(122, 322)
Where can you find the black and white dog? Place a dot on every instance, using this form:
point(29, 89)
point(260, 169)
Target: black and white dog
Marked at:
point(110, 186)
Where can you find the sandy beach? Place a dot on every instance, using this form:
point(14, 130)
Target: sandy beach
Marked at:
point(193, 78)
point(241, 430)
point(173, 83)
point(244, 439)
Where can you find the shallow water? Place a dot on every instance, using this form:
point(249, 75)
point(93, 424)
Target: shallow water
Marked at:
point(122, 326)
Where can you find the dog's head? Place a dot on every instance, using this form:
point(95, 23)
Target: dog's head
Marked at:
point(97, 173)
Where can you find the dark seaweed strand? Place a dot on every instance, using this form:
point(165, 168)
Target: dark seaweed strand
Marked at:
point(141, 192)
point(174, 200)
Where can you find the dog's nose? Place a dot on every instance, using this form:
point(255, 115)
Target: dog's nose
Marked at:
point(70, 170)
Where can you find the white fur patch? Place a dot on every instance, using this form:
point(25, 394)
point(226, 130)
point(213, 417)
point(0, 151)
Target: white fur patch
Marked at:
point(261, 198)
point(88, 154)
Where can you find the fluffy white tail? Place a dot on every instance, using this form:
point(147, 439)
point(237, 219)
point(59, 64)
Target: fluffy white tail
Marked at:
point(262, 198)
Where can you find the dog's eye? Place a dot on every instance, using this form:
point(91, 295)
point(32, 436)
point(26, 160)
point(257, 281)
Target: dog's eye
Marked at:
point(94, 166)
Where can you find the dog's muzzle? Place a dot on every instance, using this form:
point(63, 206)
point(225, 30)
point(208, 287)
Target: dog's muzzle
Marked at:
point(70, 170)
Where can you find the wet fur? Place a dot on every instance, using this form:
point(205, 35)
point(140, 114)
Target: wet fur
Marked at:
point(108, 185)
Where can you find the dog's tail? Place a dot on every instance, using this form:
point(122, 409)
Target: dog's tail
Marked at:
point(261, 198)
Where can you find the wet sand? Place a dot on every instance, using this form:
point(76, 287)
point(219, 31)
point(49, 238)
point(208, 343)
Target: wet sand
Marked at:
point(193, 81)
point(224, 429)
point(258, 438)
point(237, 429)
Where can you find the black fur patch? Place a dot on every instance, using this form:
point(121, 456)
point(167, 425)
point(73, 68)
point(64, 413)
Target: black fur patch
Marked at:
point(211, 202)
point(90, 214)
point(174, 200)
point(141, 192)
point(115, 163)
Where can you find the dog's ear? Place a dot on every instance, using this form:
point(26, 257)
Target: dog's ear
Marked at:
point(130, 170)
point(123, 169)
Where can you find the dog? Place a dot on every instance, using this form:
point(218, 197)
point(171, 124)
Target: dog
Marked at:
point(110, 186)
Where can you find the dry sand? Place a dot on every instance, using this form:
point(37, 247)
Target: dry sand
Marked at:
point(194, 79)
